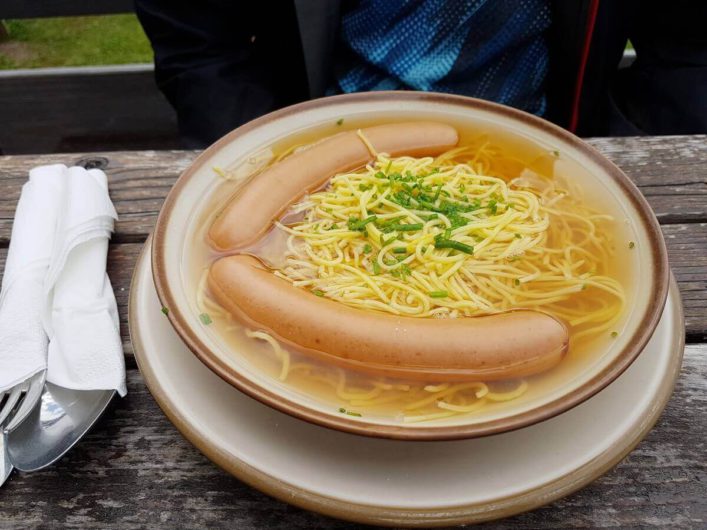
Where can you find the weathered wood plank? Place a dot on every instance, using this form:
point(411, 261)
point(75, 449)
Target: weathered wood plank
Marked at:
point(83, 109)
point(134, 471)
point(671, 171)
point(62, 8)
point(109, 480)
point(686, 246)
point(687, 249)
point(139, 182)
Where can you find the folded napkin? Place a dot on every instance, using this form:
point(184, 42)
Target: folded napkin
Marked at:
point(78, 308)
point(81, 316)
point(23, 342)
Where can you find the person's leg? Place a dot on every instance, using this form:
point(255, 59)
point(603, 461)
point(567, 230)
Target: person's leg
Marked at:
point(665, 90)
point(222, 63)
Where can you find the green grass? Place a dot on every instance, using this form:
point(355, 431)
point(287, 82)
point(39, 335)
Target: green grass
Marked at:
point(74, 41)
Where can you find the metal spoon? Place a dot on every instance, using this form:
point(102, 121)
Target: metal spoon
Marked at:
point(55, 425)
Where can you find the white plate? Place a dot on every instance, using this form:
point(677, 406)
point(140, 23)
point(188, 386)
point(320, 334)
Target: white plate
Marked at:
point(396, 482)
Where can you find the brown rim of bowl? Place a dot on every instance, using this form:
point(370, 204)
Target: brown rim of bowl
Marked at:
point(411, 517)
point(643, 331)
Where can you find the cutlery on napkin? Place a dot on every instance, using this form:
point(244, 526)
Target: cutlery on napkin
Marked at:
point(57, 307)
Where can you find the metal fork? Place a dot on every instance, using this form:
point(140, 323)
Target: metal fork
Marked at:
point(15, 404)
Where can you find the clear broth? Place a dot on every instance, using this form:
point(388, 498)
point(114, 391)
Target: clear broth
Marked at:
point(528, 154)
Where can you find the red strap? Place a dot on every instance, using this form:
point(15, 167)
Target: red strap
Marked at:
point(592, 18)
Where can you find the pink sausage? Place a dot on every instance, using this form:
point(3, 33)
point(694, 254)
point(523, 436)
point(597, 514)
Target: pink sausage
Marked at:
point(500, 346)
point(256, 205)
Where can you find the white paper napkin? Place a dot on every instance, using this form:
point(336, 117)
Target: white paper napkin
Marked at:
point(56, 276)
point(23, 342)
point(81, 316)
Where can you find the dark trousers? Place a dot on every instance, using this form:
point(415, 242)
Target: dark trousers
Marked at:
point(221, 63)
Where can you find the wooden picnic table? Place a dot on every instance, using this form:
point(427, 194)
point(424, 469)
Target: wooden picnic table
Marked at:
point(135, 470)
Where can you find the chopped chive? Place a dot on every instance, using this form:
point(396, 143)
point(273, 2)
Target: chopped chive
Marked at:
point(556, 153)
point(391, 221)
point(431, 217)
point(367, 248)
point(386, 242)
point(439, 190)
point(387, 168)
point(516, 281)
point(428, 205)
point(349, 412)
point(376, 268)
point(364, 187)
point(340, 121)
point(408, 227)
point(334, 227)
point(493, 206)
point(400, 250)
point(165, 310)
point(317, 292)
point(462, 187)
point(614, 334)
point(205, 319)
point(631, 244)
point(518, 236)
point(584, 286)
point(439, 294)
point(360, 224)
point(456, 245)
point(402, 271)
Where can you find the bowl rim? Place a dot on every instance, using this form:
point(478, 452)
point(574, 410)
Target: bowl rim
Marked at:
point(642, 333)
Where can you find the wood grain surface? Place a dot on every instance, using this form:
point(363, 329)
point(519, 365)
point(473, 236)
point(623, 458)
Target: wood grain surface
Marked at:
point(670, 171)
point(134, 470)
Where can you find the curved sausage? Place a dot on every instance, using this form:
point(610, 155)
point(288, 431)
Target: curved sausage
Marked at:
point(251, 211)
point(501, 346)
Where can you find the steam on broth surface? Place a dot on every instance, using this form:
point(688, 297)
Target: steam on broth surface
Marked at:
point(483, 228)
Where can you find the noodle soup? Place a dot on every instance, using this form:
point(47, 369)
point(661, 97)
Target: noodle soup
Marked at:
point(497, 224)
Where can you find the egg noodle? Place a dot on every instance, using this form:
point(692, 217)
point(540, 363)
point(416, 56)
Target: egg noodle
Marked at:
point(470, 232)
